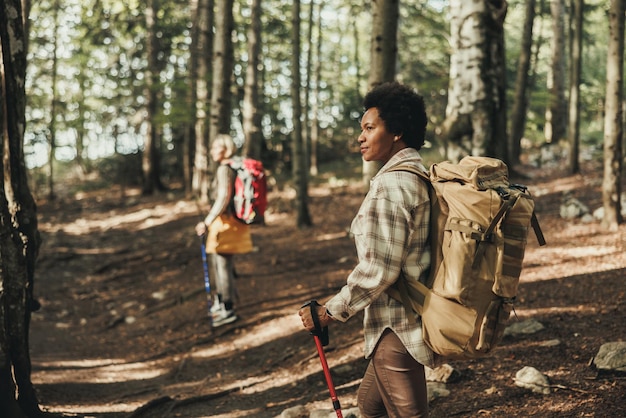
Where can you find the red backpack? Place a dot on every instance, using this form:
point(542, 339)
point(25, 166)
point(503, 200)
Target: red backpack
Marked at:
point(250, 195)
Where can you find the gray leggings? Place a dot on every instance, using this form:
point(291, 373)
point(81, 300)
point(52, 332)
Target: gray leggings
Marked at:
point(224, 269)
point(394, 384)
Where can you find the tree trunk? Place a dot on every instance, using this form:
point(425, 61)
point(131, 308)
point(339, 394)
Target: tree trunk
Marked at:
point(317, 74)
point(306, 127)
point(520, 103)
point(26, 6)
point(383, 57)
point(613, 131)
point(576, 48)
point(222, 70)
point(300, 177)
point(52, 140)
point(81, 163)
point(476, 113)
point(252, 128)
point(201, 52)
point(19, 236)
point(150, 159)
point(556, 114)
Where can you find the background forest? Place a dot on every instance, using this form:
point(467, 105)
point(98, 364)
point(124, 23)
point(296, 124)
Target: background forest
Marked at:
point(111, 106)
point(88, 66)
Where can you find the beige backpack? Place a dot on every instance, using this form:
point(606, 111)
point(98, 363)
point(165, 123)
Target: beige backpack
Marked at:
point(479, 226)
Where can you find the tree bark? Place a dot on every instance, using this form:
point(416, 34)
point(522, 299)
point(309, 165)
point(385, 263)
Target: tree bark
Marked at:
point(306, 127)
point(300, 178)
point(576, 49)
point(52, 140)
point(476, 113)
point(613, 131)
point(19, 236)
point(150, 158)
point(201, 52)
point(556, 114)
point(383, 57)
point(222, 69)
point(251, 116)
point(520, 103)
point(315, 106)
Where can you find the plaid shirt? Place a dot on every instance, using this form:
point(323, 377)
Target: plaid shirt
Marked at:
point(390, 232)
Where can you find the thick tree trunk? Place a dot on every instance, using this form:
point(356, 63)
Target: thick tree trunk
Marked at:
point(476, 114)
point(220, 111)
point(222, 69)
point(201, 52)
point(613, 131)
point(251, 115)
point(18, 223)
point(383, 56)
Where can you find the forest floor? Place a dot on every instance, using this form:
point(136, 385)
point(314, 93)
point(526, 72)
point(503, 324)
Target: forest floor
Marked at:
point(123, 329)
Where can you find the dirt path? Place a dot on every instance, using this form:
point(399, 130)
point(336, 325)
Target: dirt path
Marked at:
point(123, 330)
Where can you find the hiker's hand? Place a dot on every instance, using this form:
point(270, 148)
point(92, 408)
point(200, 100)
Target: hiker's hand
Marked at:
point(201, 228)
point(307, 320)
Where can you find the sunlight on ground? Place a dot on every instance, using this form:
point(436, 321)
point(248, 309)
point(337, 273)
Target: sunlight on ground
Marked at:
point(85, 363)
point(547, 263)
point(330, 237)
point(95, 371)
point(528, 313)
point(563, 257)
point(138, 220)
point(560, 253)
point(117, 371)
point(566, 253)
point(258, 335)
point(86, 408)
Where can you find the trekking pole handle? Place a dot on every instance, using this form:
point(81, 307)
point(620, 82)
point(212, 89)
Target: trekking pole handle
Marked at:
point(320, 332)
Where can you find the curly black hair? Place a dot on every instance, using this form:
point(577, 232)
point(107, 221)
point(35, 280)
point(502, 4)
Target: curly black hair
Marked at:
point(402, 109)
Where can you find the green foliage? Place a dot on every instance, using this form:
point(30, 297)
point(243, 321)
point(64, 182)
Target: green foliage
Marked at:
point(100, 48)
point(595, 35)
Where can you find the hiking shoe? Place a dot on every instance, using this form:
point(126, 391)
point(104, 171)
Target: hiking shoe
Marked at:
point(216, 306)
point(223, 316)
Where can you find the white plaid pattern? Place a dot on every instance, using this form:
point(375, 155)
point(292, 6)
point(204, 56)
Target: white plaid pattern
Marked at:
point(390, 232)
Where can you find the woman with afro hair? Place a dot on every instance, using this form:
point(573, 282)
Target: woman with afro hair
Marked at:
point(391, 237)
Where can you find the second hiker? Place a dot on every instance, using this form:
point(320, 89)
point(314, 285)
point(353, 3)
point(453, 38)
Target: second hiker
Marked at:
point(225, 235)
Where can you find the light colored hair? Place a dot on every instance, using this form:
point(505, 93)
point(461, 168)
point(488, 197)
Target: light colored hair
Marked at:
point(226, 141)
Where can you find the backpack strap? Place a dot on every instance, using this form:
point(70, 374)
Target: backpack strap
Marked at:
point(412, 169)
point(411, 293)
point(534, 222)
point(486, 236)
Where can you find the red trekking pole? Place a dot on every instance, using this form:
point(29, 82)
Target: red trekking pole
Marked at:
point(320, 335)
